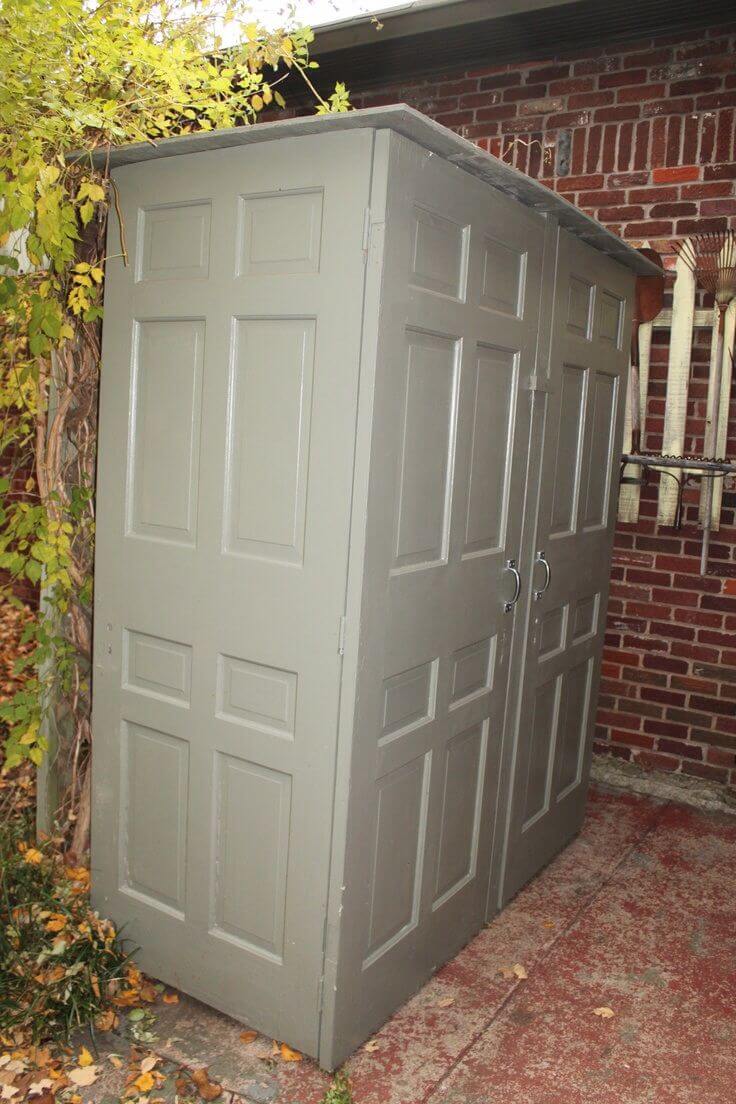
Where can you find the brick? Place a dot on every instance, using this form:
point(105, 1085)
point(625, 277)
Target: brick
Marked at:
point(667, 107)
point(722, 603)
point(672, 210)
point(693, 651)
point(726, 171)
point(664, 663)
point(619, 214)
point(714, 739)
point(616, 114)
point(686, 716)
point(620, 719)
point(590, 99)
point(525, 92)
point(656, 228)
point(548, 73)
point(628, 179)
point(713, 705)
point(635, 739)
point(694, 86)
point(716, 100)
point(676, 174)
point(647, 678)
point(602, 198)
point(657, 761)
point(640, 93)
point(500, 80)
point(662, 696)
point(541, 107)
point(681, 746)
point(627, 76)
point(718, 207)
point(704, 770)
point(653, 195)
point(577, 86)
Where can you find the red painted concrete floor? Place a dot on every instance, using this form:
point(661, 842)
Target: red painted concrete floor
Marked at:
point(638, 915)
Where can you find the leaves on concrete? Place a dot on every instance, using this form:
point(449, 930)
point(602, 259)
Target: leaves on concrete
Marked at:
point(516, 971)
point(604, 1012)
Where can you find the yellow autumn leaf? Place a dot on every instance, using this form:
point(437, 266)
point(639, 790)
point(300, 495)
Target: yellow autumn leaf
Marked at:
point(604, 1012)
point(145, 1082)
point(85, 1058)
point(171, 998)
point(248, 1036)
point(289, 1055)
point(32, 856)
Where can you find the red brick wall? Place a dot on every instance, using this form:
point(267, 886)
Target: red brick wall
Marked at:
point(650, 129)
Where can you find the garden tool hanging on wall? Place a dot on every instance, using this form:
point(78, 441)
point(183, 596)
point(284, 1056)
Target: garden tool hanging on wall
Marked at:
point(712, 259)
point(648, 297)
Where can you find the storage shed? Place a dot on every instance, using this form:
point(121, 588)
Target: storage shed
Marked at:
point(362, 399)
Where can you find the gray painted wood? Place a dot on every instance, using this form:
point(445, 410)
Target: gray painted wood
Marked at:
point(570, 512)
point(229, 390)
point(457, 334)
point(418, 128)
point(345, 381)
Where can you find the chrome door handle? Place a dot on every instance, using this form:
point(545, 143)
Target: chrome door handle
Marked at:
point(511, 566)
point(542, 559)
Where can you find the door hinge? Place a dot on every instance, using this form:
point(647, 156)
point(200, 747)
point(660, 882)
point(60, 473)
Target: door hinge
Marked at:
point(341, 636)
point(538, 385)
point(366, 231)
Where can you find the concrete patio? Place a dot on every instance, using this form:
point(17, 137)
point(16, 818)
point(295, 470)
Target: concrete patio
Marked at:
point(637, 916)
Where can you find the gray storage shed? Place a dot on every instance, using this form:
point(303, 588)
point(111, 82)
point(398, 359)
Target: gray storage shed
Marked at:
point(361, 409)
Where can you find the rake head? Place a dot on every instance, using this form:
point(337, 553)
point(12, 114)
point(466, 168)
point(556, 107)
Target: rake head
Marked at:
point(712, 258)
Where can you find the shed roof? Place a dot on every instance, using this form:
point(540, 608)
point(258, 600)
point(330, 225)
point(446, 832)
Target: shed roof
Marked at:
point(420, 129)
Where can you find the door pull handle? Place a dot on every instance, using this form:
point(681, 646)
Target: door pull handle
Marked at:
point(542, 559)
point(511, 566)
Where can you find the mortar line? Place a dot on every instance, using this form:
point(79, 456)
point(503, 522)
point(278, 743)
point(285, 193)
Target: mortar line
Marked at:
point(584, 907)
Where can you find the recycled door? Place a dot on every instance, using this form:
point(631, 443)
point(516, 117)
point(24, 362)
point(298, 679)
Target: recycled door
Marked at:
point(231, 353)
point(460, 298)
point(568, 556)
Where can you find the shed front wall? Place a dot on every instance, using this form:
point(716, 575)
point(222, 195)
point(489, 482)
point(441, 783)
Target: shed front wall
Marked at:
point(460, 293)
point(228, 404)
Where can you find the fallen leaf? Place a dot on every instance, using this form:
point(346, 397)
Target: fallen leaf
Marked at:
point(208, 1090)
point(146, 1081)
point(548, 924)
point(85, 1058)
point(171, 998)
point(106, 1020)
point(33, 857)
point(4, 1059)
point(83, 1076)
point(8, 1092)
point(149, 1063)
point(289, 1055)
point(515, 971)
point(45, 1097)
point(604, 1013)
point(37, 1088)
point(371, 1045)
point(248, 1036)
point(445, 1002)
point(116, 1060)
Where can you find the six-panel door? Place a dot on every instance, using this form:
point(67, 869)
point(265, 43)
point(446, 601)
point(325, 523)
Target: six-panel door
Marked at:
point(580, 406)
point(460, 298)
point(229, 388)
